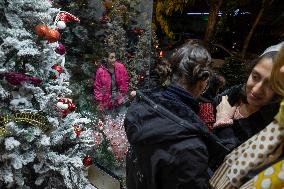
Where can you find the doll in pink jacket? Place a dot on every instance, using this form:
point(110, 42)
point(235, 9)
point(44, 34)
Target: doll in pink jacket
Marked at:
point(111, 84)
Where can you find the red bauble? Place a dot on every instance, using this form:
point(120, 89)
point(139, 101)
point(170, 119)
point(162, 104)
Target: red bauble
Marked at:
point(52, 36)
point(41, 30)
point(87, 161)
point(57, 70)
point(60, 49)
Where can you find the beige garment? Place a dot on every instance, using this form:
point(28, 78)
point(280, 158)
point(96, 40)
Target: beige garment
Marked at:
point(247, 157)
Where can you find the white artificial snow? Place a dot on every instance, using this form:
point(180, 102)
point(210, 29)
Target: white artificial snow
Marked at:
point(11, 143)
point(45, 140)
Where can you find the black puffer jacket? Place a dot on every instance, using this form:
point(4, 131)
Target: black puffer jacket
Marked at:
point(242, 129)
point(169, 143)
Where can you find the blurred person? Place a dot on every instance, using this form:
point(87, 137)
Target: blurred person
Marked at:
point(111, 84)
point(244, 110)
point(206, 100)
point(258, 162)
point(169, 142)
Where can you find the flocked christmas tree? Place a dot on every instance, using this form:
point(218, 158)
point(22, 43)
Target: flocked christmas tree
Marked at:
point(123, 25)
point(43, 139)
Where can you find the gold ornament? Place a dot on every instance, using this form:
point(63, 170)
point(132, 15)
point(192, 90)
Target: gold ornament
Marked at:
point(33, 119)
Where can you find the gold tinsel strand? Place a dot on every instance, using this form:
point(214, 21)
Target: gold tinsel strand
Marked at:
point(34, 119)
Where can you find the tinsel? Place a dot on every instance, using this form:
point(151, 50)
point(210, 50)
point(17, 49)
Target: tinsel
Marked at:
point(34, 119)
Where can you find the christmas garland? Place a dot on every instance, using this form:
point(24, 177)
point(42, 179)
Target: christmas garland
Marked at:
point(34, 119)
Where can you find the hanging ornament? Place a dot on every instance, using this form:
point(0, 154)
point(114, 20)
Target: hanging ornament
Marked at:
point(66, 17)
point(15, 78)
point(108, 4)
point(56, 71)
point(41, 30)
point(77, 130)
point(65, 106)
point(61, 25)
point(52, 35)
point(60, 49)
point(87, 161)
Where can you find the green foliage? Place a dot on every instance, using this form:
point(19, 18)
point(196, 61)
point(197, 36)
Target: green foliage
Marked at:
point(165, 8)
point(235, 71)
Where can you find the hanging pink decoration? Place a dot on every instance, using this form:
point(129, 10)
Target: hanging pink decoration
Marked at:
point(15, 78)
point(60, 49)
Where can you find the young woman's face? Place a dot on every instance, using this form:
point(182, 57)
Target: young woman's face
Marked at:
point(258, 88)
point(111, 59)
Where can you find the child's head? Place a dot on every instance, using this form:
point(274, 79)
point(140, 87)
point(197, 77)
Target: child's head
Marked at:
point(111, 59)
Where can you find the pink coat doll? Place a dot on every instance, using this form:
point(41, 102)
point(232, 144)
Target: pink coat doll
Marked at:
point(103, 86)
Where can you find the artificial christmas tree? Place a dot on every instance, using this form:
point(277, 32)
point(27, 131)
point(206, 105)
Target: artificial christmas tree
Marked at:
point(122, 25)
point(39, 147)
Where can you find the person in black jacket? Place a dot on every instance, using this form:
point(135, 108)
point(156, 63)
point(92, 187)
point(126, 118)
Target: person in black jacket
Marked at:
point(170, 145)
point(244, 110)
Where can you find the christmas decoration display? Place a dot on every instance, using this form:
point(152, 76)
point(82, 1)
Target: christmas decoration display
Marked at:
point(39, 147)
point(113, 130)
point(121, 25)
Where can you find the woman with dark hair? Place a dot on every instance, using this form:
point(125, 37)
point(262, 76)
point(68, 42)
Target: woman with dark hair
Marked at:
point(169, 142)
point(244, 110)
